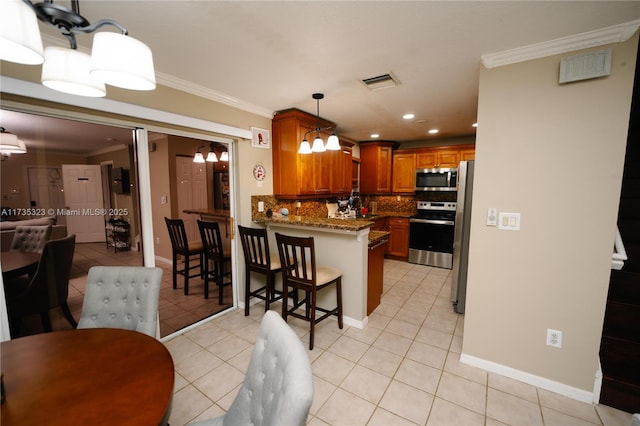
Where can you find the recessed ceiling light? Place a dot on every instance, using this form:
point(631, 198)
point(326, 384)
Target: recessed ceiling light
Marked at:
point(408, 116)
point(375, 135)
point(474, 125)
point(433, 131)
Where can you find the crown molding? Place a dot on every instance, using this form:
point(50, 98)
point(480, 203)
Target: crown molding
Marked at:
point(204, 92)
point(614, 34)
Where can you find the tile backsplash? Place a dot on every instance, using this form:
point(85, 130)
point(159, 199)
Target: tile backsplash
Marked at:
point(317, 207)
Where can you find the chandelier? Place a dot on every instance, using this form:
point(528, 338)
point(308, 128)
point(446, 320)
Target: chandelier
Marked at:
point(212, 157)
point(333, 143)
point(116, 59)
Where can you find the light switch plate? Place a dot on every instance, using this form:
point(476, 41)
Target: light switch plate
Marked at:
point(509, 221)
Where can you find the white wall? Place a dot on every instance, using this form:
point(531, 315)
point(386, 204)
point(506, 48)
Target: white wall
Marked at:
point(554, 153)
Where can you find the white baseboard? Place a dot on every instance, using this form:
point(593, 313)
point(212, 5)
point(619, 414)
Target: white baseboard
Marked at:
point(540, 382)
point(164, 260)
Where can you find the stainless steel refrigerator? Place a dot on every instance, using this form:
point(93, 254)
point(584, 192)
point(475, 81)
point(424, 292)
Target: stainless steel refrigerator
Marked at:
point(461, 236)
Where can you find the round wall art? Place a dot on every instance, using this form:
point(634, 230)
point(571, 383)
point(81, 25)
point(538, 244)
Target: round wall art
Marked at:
point(259, 173)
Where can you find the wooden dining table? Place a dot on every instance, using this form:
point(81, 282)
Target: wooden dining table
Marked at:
point(17, 263)
point(94, 376)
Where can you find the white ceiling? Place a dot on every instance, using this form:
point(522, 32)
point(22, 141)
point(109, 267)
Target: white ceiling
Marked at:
point(266, 56)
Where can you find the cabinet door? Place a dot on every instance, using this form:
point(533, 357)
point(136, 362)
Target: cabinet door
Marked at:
point(341, 171)
point(322, 172)
point(375, 172)
point(380, 224)
point(426, 160)
point(404, 173)
point(467, 154)
point(399, 240)
point(385, 158)
point(448, 158)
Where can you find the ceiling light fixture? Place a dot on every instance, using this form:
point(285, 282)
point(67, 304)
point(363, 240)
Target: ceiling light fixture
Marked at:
point(10, 144)
point(116, 59)
point(408, 116)
point(212, 157)
point(333, 143)
point(433, 131)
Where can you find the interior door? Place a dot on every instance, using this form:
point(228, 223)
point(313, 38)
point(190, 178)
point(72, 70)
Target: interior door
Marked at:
point(83, 199)
point(192, 193)
point(45, 190)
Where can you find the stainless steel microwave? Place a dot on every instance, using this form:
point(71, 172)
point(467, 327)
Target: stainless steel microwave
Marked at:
point(438, 179)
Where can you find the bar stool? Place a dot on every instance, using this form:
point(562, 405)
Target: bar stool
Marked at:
point(181, 247)
point(299, 271)
point(255, 245)
point(214, 256)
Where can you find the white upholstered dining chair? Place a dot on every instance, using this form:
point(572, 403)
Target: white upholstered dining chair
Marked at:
point(278, 386)
point(122, 297)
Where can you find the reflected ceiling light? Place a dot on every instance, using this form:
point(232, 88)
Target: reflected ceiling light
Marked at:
point(333, 143)
point(10, 144)
point(212, 157)
point(198, 158)
point(116, 59)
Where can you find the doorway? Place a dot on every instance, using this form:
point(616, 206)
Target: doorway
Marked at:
point(52, 142)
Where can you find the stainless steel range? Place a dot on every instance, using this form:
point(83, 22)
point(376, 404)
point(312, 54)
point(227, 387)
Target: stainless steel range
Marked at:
point(431, 233)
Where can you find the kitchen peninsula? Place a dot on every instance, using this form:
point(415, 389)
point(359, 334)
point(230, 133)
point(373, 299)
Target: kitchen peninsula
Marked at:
point(341, 244)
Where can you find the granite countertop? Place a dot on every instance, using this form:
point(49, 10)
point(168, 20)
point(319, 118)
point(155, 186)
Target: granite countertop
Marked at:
point(377, 236)
point(209, 213)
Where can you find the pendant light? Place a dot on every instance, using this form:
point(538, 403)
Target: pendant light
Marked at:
point(333, 143)
point(116, 59)
point(212, 157)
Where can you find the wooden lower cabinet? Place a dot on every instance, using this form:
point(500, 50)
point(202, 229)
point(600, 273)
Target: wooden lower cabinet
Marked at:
point(398, 245)
point(375, 274)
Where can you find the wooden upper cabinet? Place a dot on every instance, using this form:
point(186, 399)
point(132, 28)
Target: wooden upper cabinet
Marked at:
point(300, 174)
point(375, 167)
point(436, 157)
point(341, 169)
point(467, 154)
point(449, 156)
point(404, 172)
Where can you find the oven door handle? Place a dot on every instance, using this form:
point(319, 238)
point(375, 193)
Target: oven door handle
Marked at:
point(432, 222)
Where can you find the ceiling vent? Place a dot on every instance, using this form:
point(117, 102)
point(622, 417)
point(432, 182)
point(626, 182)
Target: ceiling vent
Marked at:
point(381, 82)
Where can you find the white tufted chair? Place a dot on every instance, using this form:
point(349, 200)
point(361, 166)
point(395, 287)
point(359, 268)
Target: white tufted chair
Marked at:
point(30, 238)
point(122, 297)
point(278, 386)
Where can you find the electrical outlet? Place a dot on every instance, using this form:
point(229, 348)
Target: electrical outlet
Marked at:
point(298, 204)
point(260, 206)
point(157, 240)
point(398, 198)
point(554, 338)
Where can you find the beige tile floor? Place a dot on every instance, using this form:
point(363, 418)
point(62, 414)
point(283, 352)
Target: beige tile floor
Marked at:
point(403, 369)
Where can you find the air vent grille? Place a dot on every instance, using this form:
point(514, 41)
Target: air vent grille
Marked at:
point(380, 82)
